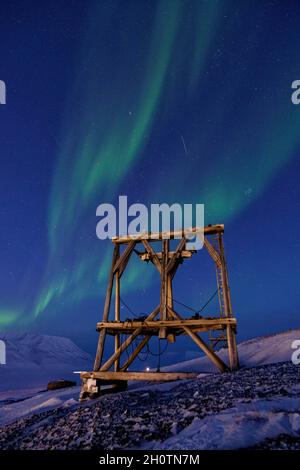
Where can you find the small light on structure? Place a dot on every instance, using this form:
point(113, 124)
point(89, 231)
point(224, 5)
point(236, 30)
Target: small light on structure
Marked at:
point(147, 369)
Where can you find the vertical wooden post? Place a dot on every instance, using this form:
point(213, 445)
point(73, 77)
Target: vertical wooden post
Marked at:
point(102, 334)
point(117, 318)
point(164, 287)
point(231, 337)
point(170, 336)
point(170, 291)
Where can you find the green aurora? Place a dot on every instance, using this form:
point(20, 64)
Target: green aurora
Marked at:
point(168, 74)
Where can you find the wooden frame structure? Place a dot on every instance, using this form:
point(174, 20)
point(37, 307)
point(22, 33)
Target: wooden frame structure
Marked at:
point(170, 323)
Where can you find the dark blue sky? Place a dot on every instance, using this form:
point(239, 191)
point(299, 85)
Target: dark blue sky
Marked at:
point(100, 96)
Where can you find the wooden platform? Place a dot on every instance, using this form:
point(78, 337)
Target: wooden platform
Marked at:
point(173, 326)
point(111, 376)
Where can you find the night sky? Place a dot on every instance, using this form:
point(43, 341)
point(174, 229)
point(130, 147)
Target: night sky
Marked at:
point(183, 101)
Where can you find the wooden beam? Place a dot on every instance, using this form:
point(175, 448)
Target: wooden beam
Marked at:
point(170, 336)
point(123, 259)
point(127, 342)
point(176, 256)
point(209, 230)
point(176, 331)
point(202, 345)
point(225, 283)
point(213, 252)
point(117, 317)
point(155, 376)
point(184, 254)
point(164, 288)
point(230, 332)
point(153, 256)
point(170, 291)
point(175, 267)
point(177, 323)
point(101, 339)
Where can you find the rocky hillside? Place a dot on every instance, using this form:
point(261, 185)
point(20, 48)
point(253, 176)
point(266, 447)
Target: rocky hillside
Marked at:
point(252, 407)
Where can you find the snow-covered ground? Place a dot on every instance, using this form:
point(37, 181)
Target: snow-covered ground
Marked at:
point(215, 411)
point(18, 405)
point(243, 426)
point(254, 352)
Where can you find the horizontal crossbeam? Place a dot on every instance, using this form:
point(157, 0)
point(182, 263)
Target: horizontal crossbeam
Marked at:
point(209, 230)
point(154, 376)
point(183, 254)
point(157, 324)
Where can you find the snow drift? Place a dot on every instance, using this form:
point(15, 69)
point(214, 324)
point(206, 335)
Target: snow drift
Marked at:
point(254, 352)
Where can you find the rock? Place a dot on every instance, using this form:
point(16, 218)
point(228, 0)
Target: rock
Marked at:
point(56, 384)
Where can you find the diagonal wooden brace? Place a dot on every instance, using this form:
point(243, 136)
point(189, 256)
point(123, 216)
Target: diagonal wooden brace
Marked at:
point(176, 255)
point(127, 343)
point(153, 255)
point(202, 345)
point(124, 258)
point(137, 350)
point(213, 252)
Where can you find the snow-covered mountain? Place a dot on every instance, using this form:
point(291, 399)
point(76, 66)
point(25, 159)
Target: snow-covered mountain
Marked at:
point(33, 360)
point(254, 352)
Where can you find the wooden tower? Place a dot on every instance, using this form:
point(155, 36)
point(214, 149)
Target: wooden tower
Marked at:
point(164, 321)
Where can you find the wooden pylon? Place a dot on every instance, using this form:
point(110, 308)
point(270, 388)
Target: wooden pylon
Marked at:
point(169, 323)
